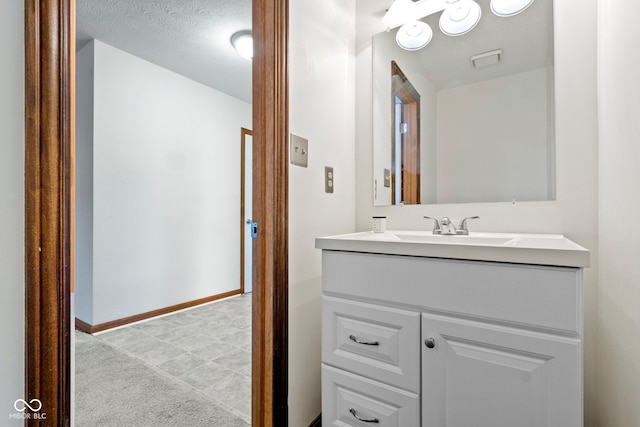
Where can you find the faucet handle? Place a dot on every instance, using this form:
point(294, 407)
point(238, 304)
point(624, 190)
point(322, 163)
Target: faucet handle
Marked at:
point(436, 224)
point(463, 225)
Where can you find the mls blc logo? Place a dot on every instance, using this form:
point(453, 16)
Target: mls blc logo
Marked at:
point(34, 406)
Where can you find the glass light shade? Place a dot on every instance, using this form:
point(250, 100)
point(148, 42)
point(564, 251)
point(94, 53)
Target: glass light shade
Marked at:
point(414, 35)
point(243, 42)
point(460, 17)
point(506, 8)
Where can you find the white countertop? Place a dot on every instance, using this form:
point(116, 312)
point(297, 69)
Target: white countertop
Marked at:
point(539, 249)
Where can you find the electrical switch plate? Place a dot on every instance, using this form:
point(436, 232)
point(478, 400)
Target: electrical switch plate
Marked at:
point(328, 179)
point(387, 178)
point(299, 151)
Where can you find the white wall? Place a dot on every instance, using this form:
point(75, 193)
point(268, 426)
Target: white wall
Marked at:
point(83, 280)
point(573, 213)
point(618, 354)
point(166, 187)
point(11, 206)
point(500, 153)
point(321, 104)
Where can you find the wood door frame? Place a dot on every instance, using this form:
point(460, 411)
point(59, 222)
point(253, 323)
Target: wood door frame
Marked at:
point(49, 142)
point(271, 211)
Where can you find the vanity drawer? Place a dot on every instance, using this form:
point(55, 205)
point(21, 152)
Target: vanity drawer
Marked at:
point(379, 342)
point(347, 397)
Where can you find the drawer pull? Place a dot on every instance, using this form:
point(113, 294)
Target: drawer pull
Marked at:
point(364, 420)
point(354, 339)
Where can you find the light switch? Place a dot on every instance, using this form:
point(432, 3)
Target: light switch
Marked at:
point(387, 178)
point(299, 154)
point(328, 179)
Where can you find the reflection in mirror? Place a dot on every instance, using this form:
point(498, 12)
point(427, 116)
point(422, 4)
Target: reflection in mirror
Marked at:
point(485, 124)
point(405, 158)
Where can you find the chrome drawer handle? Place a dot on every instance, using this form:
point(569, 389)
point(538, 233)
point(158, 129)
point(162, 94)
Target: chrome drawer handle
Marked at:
point(364, 420)
point(354, 339)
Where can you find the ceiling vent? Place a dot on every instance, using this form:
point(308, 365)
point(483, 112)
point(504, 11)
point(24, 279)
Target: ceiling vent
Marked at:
point(488, 58)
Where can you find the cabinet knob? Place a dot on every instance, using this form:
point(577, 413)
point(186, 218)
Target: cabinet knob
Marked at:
point(430, 342)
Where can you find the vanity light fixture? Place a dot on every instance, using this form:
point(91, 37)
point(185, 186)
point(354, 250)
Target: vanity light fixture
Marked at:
point(506, 8)
point(400, 11)
point(414, 35)
point(243, 42)
point(458, 17)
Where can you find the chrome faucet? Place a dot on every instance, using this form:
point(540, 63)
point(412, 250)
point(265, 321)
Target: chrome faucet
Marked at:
point(463, 225)
point(446, 227)
point(436, 225)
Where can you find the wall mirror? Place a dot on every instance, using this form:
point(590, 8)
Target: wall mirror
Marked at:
point(482, 127)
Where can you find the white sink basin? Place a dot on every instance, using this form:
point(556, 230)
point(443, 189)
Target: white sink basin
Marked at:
point(455, 240)
point(542, 249)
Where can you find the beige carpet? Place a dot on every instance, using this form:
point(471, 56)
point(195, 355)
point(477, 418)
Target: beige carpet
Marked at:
point(113, 389)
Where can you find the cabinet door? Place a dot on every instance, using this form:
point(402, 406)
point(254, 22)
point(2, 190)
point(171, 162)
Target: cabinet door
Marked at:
point(481, 375)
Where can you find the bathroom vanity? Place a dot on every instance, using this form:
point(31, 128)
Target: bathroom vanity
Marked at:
point(427, 330)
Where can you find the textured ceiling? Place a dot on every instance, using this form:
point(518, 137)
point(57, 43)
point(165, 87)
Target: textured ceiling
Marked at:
point(189, 37)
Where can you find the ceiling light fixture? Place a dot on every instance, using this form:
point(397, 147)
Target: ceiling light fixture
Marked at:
point(458, 17)
point(506, 8)
point(243, 42)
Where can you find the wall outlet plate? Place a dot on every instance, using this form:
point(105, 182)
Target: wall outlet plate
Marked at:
point(299, 153)
point(328, 179)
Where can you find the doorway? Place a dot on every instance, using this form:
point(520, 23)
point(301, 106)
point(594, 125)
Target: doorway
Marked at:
point(49, 139)
point(155, 209)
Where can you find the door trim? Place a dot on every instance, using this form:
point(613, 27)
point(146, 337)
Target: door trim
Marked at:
point(49, 139)
point(271, 212)
point(48, 143)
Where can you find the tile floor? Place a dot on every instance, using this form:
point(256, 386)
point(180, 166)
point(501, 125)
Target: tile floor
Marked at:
point(207, 347)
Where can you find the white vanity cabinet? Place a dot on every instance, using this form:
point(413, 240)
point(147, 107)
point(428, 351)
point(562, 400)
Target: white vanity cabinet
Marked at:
point(424, 341)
